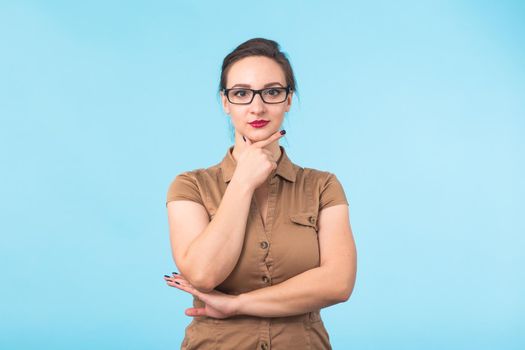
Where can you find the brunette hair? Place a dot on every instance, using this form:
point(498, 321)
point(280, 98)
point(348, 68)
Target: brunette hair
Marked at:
point(258, 47)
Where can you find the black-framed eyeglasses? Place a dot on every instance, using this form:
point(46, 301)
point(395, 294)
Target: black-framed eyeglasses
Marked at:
point(244, 96)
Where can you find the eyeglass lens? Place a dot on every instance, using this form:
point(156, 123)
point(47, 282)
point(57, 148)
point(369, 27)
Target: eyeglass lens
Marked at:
point(270, 95)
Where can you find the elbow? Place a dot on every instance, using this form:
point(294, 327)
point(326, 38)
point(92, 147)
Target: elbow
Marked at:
point(345, 291)
point(202, 284)
point(339, 293)
point(341, 285)
point(199, 281)
point(203, 287)
point(347, 284)
point(344, 295)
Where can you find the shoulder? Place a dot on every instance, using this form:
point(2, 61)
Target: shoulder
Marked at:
point(193, 184)
point(199, 175)
point(324, 184)
point(317, 177)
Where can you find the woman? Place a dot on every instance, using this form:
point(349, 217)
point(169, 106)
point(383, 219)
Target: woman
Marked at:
point(261, 243)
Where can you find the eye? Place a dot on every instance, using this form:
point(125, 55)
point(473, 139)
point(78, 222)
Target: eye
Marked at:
point(240, 93)
point(273, 91)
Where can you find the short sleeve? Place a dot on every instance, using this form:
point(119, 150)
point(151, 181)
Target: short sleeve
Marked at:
point(332, 193)
point(184, 187)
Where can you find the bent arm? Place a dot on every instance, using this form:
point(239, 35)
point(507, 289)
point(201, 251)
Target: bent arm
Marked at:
point(207, 251)
point(329, 284)
point(311, 290)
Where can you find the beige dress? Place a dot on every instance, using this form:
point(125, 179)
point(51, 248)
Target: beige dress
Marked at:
point(286, 246)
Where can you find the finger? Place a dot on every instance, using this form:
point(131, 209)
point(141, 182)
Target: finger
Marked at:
point(181, 280)
point(195, 311)
point(269, 154)
point(182, 287)
point(176, 279)
point(275, 136)
point(187, 287)
point(173, 278)
point(180, 277)
point(168, 278)
point(247, 140)
point(172, 283)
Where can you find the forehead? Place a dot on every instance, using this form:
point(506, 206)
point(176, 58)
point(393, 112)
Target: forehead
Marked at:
point(255, 71)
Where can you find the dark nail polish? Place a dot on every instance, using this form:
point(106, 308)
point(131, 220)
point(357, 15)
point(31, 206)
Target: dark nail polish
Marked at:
point(283, 132)
point(244, 139)
point(167, 276)
point(177, 282)
point(175, 273)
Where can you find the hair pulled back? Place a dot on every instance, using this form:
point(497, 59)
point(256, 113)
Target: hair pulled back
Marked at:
point(258, 47)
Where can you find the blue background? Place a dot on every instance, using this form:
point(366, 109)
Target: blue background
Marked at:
point(417, 106)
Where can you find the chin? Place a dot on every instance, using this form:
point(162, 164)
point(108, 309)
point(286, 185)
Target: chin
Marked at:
point(258, 135)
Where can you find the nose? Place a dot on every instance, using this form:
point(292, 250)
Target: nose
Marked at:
point(257, 106)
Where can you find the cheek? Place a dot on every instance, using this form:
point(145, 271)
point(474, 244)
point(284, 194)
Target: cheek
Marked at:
point(237, 117)
point(278, 112)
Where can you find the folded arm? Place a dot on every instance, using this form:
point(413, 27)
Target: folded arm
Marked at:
point(206, 251)
point(330, 283)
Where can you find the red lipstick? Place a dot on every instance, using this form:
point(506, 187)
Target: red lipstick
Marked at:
point(259, 123)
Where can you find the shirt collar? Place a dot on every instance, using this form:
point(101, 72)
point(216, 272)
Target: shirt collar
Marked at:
point(285, 168)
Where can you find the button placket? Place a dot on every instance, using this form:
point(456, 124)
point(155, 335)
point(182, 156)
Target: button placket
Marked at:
point(272, 194)
point(262, 238)
point(264, 334)
point(264, 232)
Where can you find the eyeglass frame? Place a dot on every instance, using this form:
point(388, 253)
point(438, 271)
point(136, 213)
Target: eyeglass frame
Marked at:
point(288, 89)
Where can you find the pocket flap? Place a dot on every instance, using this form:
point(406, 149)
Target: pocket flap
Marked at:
point(307, 219)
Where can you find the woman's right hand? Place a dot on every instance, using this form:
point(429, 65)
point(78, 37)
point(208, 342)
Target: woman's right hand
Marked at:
point(256, 163)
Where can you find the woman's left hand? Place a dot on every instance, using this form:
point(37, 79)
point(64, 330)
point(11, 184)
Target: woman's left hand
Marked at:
point(217, 304)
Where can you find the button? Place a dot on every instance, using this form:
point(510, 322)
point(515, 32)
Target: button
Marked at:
point(312, 219)
point(264, 244)
point(264, 345)
point(265, 279)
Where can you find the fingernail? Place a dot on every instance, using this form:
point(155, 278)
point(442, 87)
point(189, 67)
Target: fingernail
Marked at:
point(283, 132)
point(244, 139)
point(177, 282)
point(167, 276)
point(176, 273)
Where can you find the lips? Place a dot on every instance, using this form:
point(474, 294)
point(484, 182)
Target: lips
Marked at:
point(259, 123)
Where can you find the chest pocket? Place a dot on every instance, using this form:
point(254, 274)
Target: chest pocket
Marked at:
point(305, 219)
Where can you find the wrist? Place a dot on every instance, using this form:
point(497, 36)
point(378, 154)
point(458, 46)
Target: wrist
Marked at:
point(242, 187)
point(240, 302)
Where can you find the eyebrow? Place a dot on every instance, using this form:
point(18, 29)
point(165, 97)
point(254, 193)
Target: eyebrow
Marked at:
point(265, 85)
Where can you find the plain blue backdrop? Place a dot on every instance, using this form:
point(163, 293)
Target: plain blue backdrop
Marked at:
point(417, 106)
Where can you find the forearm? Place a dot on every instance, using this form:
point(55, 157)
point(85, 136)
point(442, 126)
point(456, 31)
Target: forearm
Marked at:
point(211, 257)
point(311, 290)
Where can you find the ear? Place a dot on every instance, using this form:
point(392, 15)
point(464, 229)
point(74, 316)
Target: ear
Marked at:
point(225, 103)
